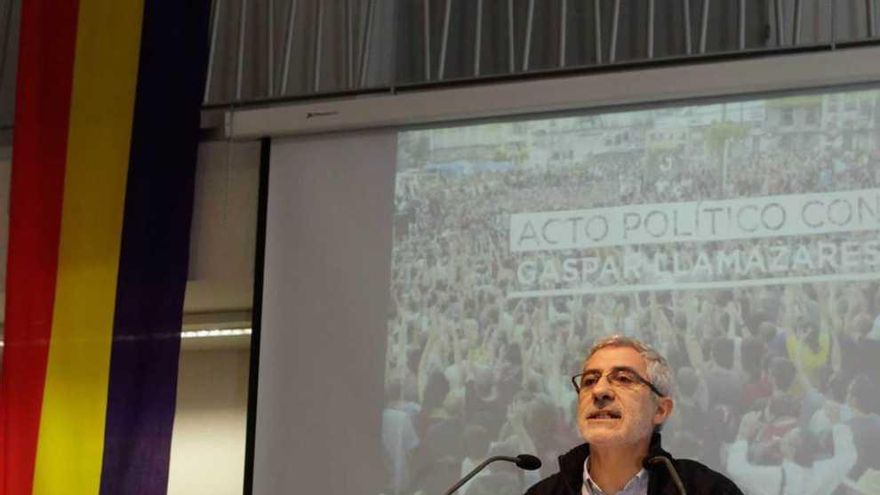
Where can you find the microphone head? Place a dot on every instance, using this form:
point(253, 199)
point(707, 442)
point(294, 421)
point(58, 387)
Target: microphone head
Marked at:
point(528, 462)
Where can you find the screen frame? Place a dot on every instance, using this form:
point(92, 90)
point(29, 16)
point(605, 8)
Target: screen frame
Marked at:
point(811, 77)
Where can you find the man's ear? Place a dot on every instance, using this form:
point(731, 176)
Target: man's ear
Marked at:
point(664, 410)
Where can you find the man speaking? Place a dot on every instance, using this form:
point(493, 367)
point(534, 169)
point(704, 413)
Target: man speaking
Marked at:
point(624, 396)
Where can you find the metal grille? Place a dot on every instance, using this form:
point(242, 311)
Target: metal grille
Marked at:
point(10, 11)
point(286, 49)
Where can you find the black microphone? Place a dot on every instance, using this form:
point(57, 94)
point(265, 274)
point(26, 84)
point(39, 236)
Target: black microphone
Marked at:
point(522, 461)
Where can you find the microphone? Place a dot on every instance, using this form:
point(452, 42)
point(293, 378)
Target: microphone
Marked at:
point(527, 462)
point(522, 461)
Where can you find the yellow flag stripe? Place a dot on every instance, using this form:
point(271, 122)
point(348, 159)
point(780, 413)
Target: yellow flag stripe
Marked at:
point(71, 438)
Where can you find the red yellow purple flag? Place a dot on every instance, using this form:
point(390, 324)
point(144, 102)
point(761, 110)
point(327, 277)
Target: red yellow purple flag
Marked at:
point(107, 117)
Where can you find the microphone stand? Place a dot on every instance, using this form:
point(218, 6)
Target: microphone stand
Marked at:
point(477, 469)
point(676, 480)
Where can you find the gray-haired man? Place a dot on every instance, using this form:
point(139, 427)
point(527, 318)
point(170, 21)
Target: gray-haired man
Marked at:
point(624, 396)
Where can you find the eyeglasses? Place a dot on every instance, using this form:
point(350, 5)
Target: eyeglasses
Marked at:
point(620, 377)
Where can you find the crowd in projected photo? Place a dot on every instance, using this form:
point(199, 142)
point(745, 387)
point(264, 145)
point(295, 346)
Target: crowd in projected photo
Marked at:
point(774, 339)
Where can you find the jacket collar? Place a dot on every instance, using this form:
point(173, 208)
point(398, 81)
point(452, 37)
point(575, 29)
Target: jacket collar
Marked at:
point(571, 464)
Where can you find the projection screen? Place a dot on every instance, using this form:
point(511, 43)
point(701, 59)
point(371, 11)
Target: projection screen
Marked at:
point(428, 293)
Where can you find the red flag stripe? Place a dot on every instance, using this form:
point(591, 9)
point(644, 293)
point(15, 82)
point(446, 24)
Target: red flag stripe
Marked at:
point(45, 77)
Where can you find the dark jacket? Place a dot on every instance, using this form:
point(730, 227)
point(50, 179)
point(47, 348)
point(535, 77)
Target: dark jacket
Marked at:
point(696, 478)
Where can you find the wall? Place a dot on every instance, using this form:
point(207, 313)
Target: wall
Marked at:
point(207, 448)
point(224, 230)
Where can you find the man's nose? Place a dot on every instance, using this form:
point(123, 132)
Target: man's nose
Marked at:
point(602, 392)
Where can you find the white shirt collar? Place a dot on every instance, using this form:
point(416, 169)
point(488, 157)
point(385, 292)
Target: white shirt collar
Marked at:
point(637, 485)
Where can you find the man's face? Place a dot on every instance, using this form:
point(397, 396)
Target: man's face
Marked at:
point(619, 414)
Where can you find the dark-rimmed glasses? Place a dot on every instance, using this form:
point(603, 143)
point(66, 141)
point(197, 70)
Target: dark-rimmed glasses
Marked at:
point(618, 377)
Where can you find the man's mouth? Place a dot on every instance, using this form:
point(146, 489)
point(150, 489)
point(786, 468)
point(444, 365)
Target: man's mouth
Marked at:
point(604, 415)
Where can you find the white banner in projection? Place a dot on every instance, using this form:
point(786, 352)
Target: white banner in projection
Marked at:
point(701, 244)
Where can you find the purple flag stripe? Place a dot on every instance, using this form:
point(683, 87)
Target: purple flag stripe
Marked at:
point(155, 248)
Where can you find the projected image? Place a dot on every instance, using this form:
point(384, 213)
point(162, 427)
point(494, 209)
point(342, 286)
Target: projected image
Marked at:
point(740, 239)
